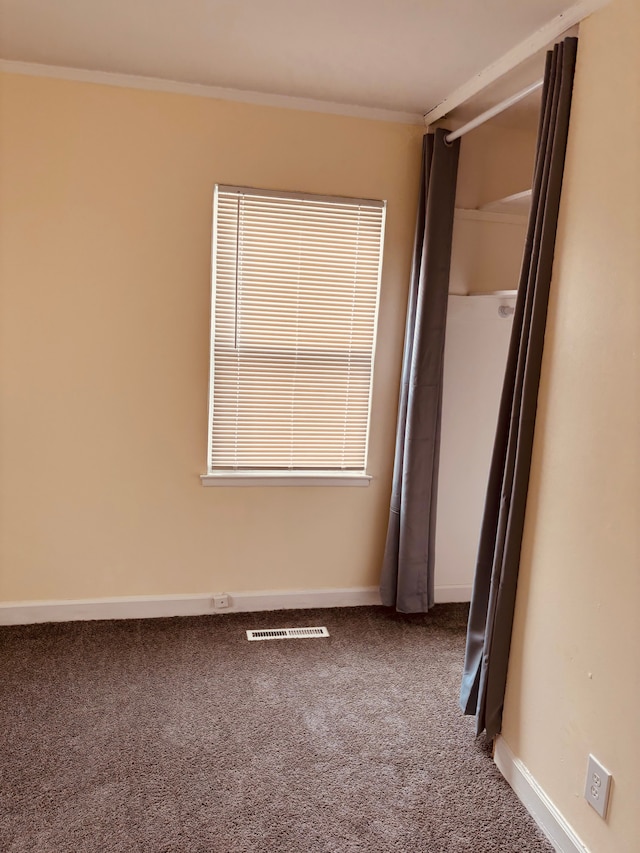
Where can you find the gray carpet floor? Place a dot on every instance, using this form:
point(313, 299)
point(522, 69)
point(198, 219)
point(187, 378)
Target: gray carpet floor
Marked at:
point(179, 735)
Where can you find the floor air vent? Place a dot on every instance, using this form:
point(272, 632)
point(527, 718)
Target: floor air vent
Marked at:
point(286, 633)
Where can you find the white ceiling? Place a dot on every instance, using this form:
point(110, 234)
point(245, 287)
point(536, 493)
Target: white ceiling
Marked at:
point(404, 55)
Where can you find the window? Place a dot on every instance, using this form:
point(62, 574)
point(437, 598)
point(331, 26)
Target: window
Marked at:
point(296, 280)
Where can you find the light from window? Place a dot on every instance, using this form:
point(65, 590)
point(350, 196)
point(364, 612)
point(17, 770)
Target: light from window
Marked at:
point(296, 280)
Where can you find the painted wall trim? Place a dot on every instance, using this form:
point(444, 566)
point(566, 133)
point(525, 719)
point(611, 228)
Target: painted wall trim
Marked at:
point(449, 593)
point(528, 47)
point(153, 606)
point(537, 803)
point(156, 84)
point(292, 478)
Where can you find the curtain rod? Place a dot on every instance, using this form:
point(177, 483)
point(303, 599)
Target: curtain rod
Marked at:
point(494, 111)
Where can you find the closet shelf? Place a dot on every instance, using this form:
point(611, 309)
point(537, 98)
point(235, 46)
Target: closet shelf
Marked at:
point(495, 294)
point(510, 210)
point(476, 215)
point(518, 203)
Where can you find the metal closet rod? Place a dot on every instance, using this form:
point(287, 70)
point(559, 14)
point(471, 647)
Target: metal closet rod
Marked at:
point(494, 111)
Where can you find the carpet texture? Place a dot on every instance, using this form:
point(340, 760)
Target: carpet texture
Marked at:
point(179, 735)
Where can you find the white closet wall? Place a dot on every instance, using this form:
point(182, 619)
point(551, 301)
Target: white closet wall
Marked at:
point(475, 356)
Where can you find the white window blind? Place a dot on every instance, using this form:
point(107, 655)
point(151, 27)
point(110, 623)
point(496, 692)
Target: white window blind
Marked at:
point(295, 295)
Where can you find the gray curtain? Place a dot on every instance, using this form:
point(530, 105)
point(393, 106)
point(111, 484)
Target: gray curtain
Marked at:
point(494, 590)
point(407, 572)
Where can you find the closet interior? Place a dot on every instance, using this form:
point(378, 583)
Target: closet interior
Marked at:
point(493, 200)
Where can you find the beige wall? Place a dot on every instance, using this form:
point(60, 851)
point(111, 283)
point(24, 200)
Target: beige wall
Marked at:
point(574, 675)
point(105, 207)
point(495, 162)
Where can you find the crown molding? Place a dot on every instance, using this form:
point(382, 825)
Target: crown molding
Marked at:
point(156, 84)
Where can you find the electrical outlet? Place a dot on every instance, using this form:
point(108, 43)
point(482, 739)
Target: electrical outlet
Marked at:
point(596, 791)
point(221, 602)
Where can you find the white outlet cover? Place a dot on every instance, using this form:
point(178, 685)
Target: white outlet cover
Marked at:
point(598, 784)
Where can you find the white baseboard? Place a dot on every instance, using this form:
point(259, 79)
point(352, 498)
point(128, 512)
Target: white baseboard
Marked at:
point(151, 606)
point(536, 802)
point(450, 593)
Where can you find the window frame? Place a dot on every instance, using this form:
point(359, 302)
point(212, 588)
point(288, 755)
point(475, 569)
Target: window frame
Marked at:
point(284, 476)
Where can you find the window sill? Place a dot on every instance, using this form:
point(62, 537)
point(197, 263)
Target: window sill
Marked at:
point(285, 478)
